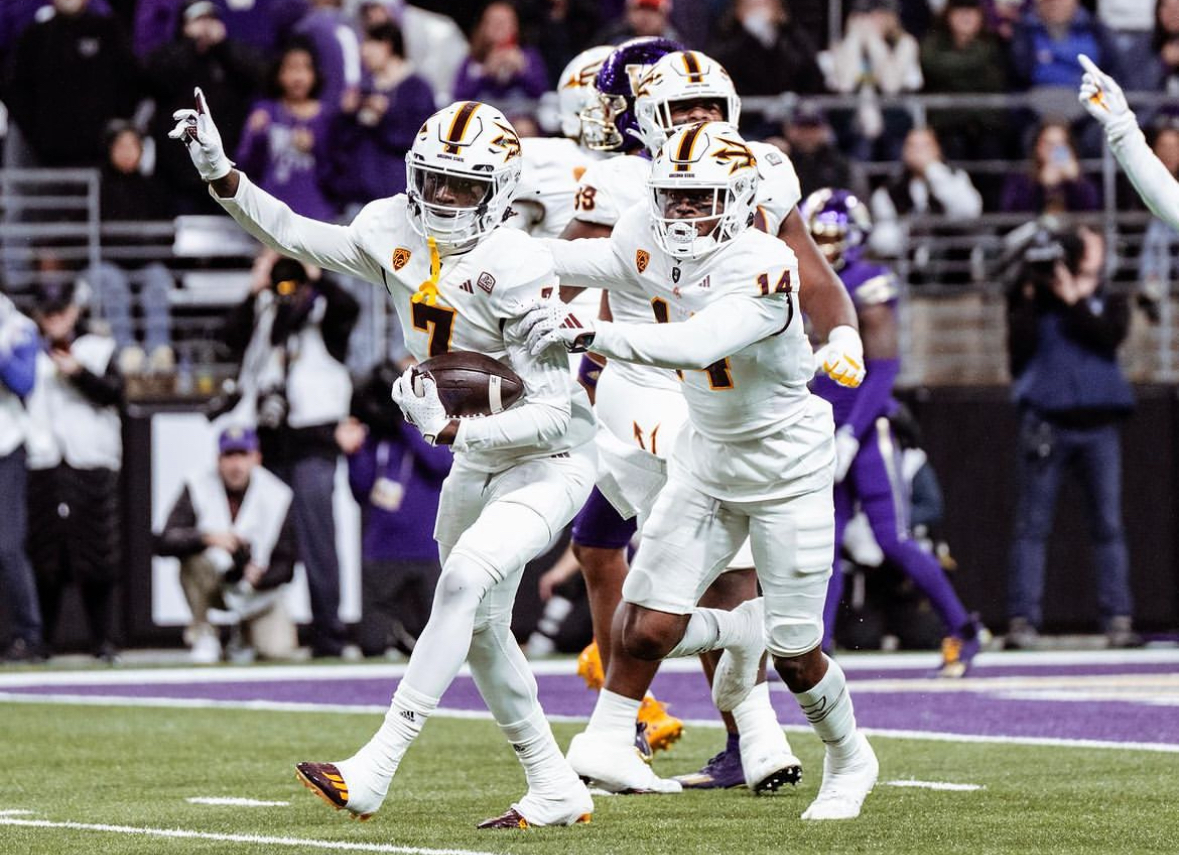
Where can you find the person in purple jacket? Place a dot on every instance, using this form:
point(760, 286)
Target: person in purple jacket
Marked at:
point(286, 136)
point(867, 454)
point(498, 70)
point(331, 34)
point(396, 477)
point(377, 124)
point(1054, 183)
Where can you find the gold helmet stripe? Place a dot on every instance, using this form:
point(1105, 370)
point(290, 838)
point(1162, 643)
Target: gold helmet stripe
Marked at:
point(458, 125)
point(683, 155)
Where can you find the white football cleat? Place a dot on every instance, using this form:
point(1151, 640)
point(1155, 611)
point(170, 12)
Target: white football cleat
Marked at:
point(536, 811)
point(736, 673)
point(344, 786)
point(615, 768)
point(768, 764)
point(846, 783)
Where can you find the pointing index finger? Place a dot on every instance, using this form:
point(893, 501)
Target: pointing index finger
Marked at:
point(1091, 67)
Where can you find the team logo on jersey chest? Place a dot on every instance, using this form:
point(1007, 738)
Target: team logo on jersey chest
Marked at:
point(642, 259)
point(400, 257)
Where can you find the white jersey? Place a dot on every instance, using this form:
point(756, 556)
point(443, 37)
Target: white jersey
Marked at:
point(1153, 181)
point(480, 294)
point(736, 331)
point(552, 168)
point(611, 187)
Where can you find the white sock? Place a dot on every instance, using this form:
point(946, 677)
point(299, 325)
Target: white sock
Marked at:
point(828, 707)
point(403, 722)
point(536, 749)
point(708, 629)
point(756, 720)
point(614, 716)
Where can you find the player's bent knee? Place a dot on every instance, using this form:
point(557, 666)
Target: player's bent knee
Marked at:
point(789, 639)
point(464, 580)
point(646, 640)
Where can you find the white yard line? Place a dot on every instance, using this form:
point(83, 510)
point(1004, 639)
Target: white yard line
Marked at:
point(480, 715)
point(233, 801)
point(934, 785)
point(185, 834)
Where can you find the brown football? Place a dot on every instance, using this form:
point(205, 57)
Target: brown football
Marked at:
point(472, 384)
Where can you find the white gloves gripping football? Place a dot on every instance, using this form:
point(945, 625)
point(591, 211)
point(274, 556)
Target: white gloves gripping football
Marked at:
point(842, 357)
point(196, 130)
point(417, 395)
point(549, 322)
point(1101, 96)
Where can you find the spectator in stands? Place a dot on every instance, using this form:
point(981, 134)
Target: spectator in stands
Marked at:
point(259, 24)
point(811, 146)
point(69, 75)
point(199, 54)
point(335, 48)
point(1064, 329)
point(959, 55)
point(233, 530)
point(1130, 24)
point(1165, 47)
point(293, 334)
point(376, 125)
point(286, 136)
point(765, 52)
point(641, 18)
point(19, 344)
point(925, 185)
point(561, 29)
point(433, 43)
point(75, 454)
point(396, 478)
point(875, 57)
point(499, 70)
point(128, 199)
point(1054, 183)
point(1046, 42)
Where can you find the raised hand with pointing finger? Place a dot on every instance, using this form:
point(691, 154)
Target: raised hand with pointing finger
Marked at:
point(1104, 100)
point(200, 136)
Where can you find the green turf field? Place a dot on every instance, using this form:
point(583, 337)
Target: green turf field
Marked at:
point(135, 768)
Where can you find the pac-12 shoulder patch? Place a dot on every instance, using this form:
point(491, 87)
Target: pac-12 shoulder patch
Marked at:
point(400, 257)
point(642, 258)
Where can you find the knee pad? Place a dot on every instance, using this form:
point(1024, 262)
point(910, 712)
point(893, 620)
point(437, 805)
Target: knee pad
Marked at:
point(464, 580)
point(790, 637)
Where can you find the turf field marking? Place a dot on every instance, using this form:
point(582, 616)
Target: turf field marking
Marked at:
point(185, 834)
point(17, 812)
point(935, 785)
point(286, 706)
point(234, 801)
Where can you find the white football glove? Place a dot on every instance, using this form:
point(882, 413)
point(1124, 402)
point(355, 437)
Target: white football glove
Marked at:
point(549, 322)
point(196, 130)
point(842, 357)
point(417, 395)
point(1103, 98)
point(846, 449)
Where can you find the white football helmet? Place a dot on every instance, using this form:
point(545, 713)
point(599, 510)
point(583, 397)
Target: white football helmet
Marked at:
point(703, 179)
point(462, 173)
point(685, 75)
point(576, 91)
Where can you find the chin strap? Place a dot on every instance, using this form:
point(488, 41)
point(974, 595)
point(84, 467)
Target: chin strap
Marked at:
point(428, 290)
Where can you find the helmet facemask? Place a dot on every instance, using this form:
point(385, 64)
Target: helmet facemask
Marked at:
point(691, 222)
point(451, 207)
point(599, 132)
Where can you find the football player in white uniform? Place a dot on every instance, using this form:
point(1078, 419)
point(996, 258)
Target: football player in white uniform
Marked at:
point(1101, 95)
point(644, 405)
point(755, 459)
point(458, 282)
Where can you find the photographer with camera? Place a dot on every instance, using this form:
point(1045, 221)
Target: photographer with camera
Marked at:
point(1064, 329)
point(293, 333)
point(233, 531)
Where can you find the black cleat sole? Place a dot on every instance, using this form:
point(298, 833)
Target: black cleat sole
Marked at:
point(772, 783)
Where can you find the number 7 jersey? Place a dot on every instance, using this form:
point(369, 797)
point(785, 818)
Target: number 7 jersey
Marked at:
point(479, 294)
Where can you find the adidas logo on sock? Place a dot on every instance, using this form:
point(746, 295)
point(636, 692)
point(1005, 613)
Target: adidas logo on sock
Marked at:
point(517, 748)
point(408, 715)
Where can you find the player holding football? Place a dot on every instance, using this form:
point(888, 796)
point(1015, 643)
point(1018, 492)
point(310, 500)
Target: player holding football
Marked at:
point(643, 407)
point(867, 454)
point(1101, 95)
point(458, 282)
point(755, 459)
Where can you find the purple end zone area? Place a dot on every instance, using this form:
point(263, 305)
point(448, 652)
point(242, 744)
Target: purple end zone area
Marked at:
point(1013, 700)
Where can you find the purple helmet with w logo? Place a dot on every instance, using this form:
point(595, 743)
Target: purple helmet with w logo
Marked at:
point(610, 124)
point(839, 223)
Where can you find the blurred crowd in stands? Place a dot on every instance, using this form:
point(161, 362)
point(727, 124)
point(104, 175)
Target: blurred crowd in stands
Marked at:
point(319, 100)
